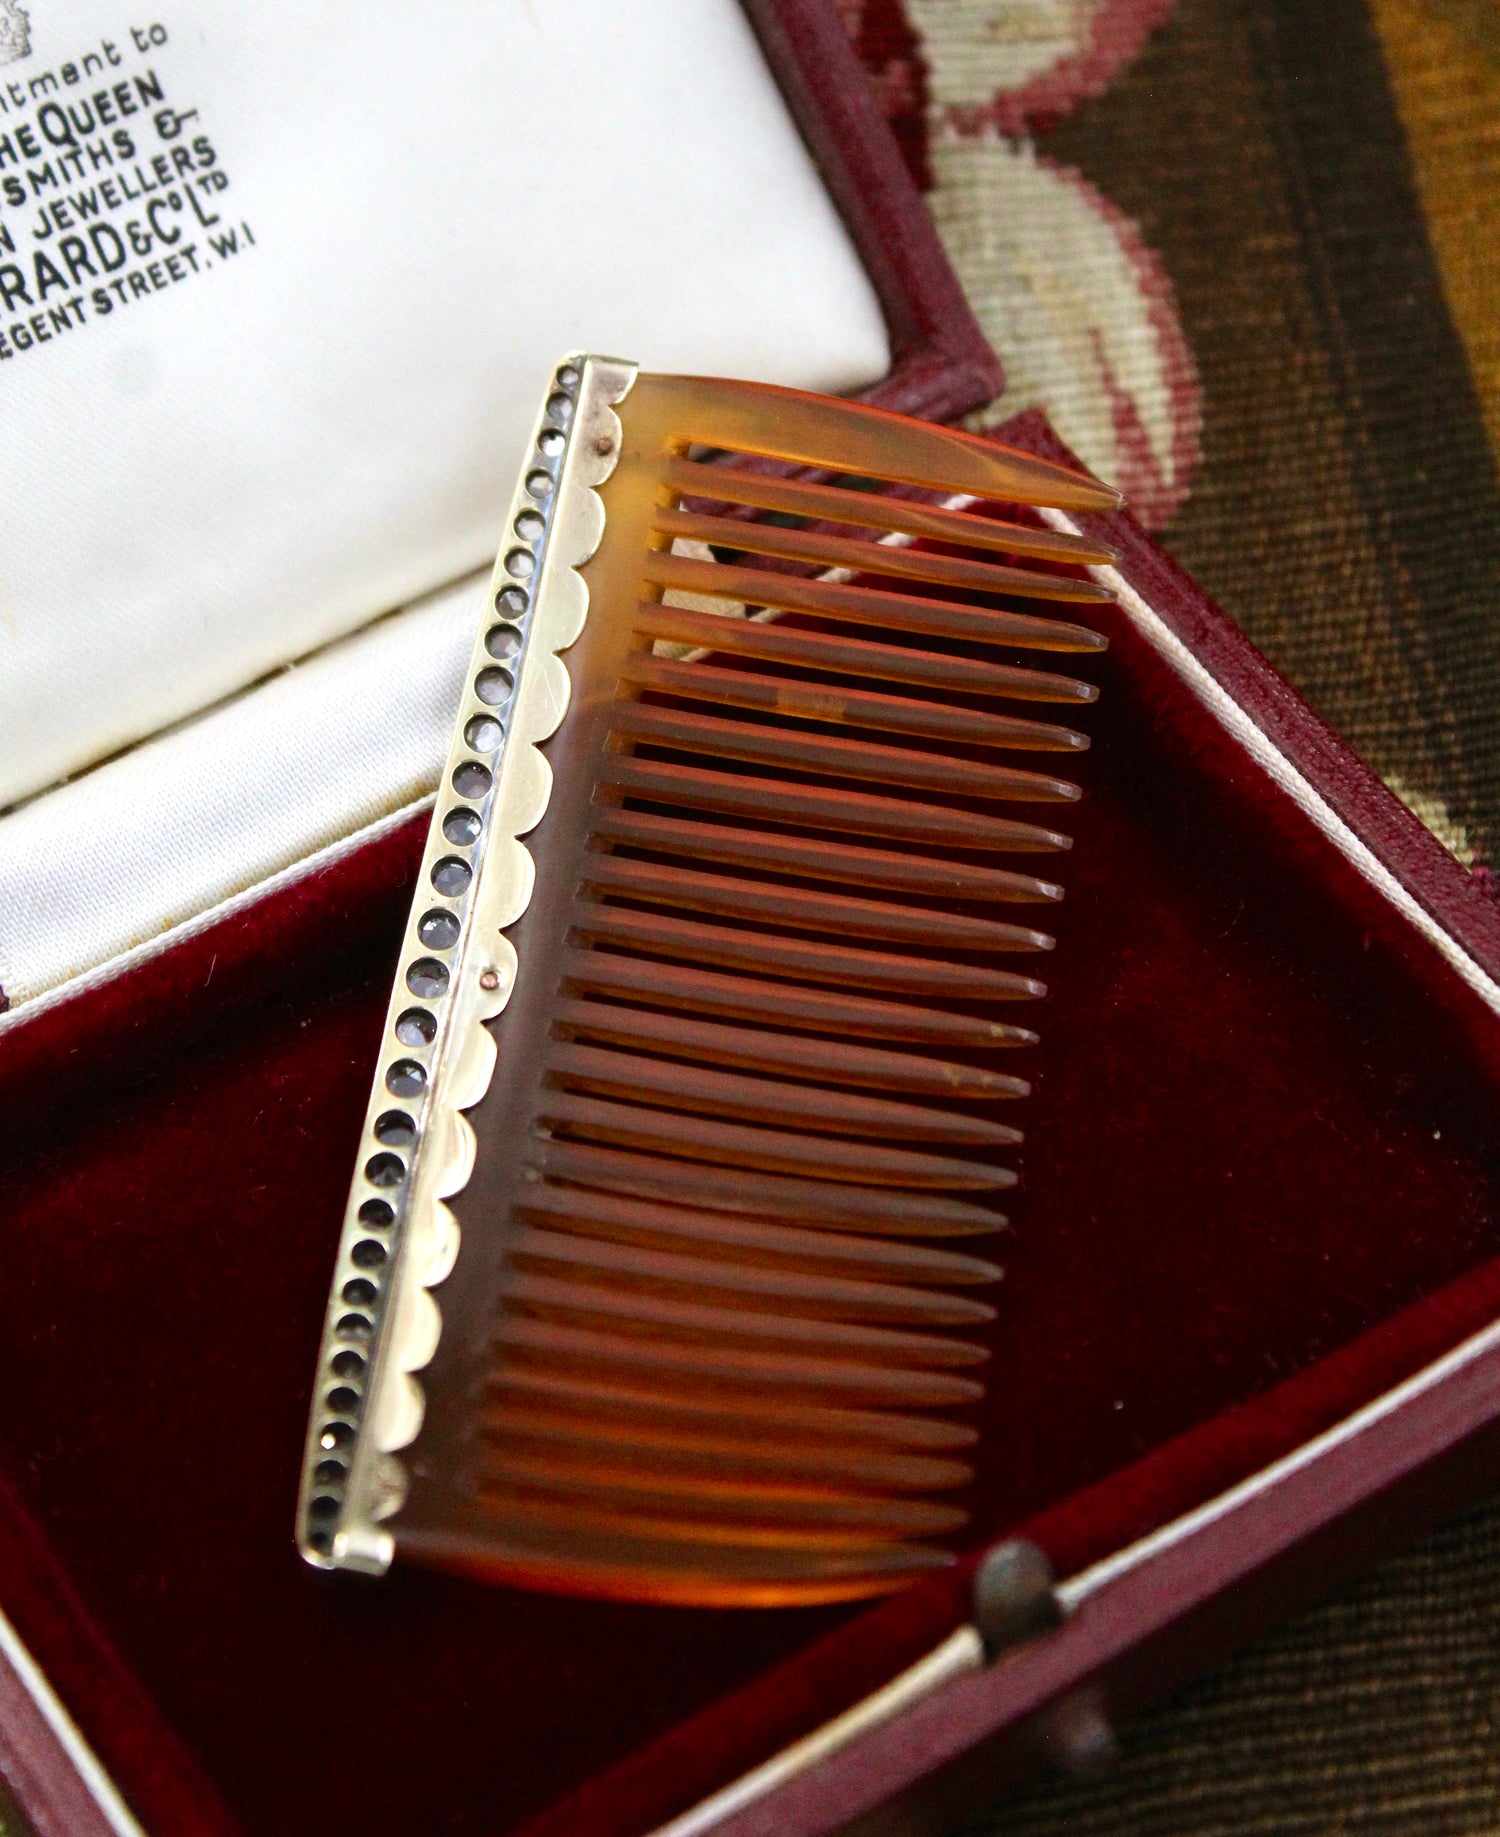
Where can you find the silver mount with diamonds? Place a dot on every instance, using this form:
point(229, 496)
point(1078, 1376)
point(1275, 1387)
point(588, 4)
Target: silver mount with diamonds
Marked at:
point(456, 972)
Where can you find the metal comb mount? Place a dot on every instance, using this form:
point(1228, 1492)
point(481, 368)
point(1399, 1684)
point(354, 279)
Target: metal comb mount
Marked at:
point(715, 1326)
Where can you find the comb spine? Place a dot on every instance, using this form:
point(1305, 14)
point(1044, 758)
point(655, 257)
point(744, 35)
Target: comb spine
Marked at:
point(366, 1409)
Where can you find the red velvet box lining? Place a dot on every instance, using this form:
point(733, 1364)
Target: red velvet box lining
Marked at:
point(1260, 1186)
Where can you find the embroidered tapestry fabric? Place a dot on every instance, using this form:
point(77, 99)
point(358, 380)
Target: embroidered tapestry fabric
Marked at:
point(1247, 254)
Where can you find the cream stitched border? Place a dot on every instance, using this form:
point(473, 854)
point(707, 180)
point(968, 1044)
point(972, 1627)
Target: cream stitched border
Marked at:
point(100, 1787)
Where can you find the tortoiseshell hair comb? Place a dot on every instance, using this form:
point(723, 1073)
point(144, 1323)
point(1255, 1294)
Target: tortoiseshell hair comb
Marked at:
point(715, 1059)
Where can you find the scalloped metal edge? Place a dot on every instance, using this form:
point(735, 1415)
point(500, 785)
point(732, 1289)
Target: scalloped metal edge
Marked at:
point(361, 1419)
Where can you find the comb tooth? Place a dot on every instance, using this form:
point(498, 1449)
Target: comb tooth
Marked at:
point(889, 611)
point(854, 437)
point(861, 557)
point(780, 1052)
point(667, 1514)
point(765, 953)
point(639, 1399)
point(677, 1537)
point(796, 1520)
point(846, 707)
point(711, 1362)
point(823, 807)
point(669, 1548)
point(815, 859)
point(731, 1144)
point(847, 1460)
point(715, 1236)
point(816, 807)
point(796, 906)
point(672, 1083)
point(739, 1284)
point(682, 1500)
point(838, 1206)
point(676, 1569)
point(779, 643)
point(596, 1485)
point(877, 510)
point(581, 1437)
point(593, 1305)
point(838, 757)
point(812, 1009)
point(699, 1493)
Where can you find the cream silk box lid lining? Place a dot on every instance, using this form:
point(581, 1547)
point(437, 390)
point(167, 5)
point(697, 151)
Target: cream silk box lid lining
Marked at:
point(276, 324)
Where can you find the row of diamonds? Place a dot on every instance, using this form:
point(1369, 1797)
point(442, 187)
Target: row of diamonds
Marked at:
point(393, 1134)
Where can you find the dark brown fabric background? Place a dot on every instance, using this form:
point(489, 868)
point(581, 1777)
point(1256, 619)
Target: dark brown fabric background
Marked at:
point(1345, 510)
point(1316, 181)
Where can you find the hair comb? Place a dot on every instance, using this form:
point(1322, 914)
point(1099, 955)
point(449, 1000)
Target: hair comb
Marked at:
point(656, 1279)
